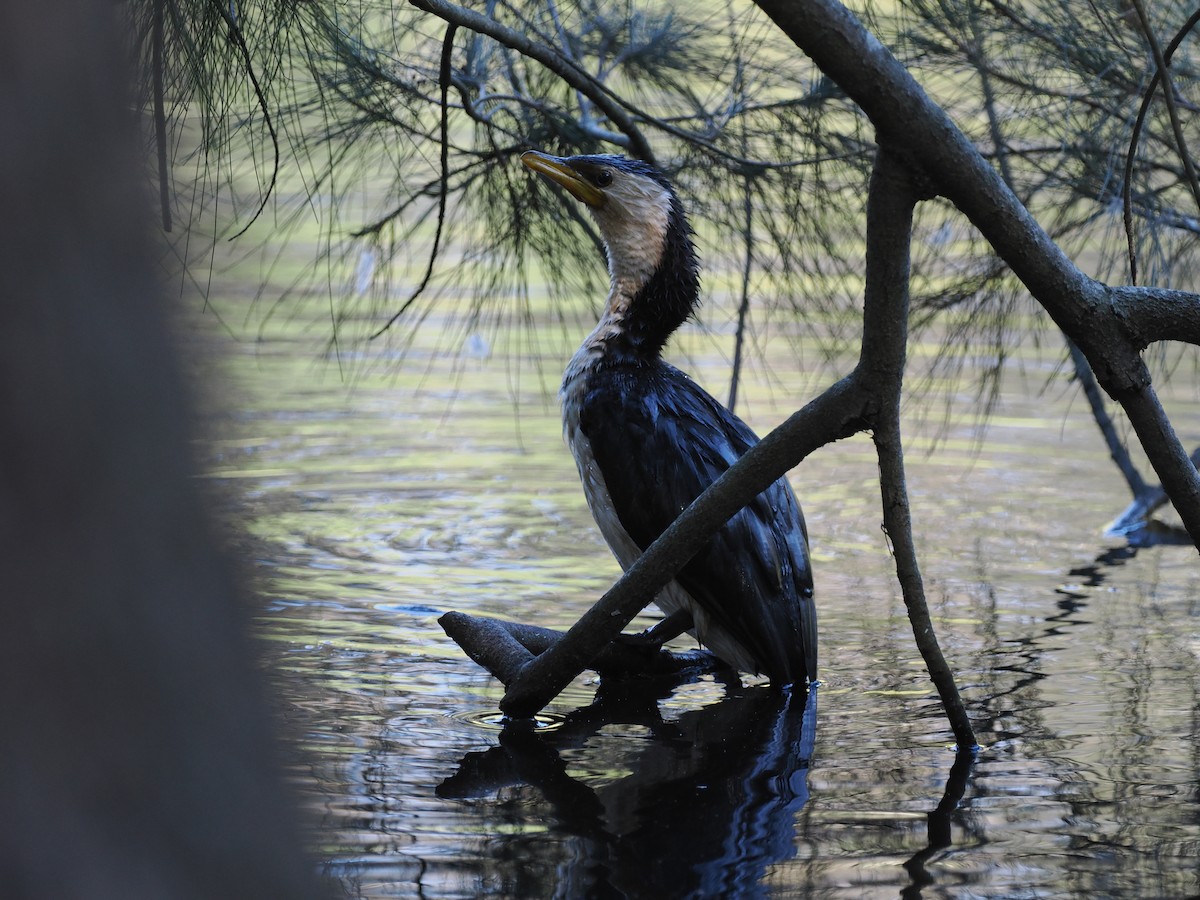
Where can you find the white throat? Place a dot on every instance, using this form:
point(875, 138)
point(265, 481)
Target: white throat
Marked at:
point(634, 224)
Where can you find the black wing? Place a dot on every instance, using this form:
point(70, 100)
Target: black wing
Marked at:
point(660, 439)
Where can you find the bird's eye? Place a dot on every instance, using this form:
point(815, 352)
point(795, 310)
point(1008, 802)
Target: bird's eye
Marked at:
point(603, 178)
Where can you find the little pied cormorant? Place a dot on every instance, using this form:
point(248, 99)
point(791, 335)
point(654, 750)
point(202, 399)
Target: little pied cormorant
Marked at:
point(648, 440)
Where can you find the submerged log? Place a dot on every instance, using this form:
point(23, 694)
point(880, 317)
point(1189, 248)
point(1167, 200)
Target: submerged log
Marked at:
point(503, 648)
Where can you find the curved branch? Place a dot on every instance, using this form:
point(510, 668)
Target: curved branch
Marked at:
point(620, 111)
point(443, 180)
point(890, 203)
point(1168, 89)
point(1135, 138)
point(838, 412)
point(909, 124)
point(260, 96)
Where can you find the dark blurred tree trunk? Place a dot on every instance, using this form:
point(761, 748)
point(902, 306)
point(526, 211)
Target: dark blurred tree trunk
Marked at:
point(137, 758)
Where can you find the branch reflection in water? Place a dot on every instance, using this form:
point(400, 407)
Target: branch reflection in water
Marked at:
point(939, 821)
point(710, 804)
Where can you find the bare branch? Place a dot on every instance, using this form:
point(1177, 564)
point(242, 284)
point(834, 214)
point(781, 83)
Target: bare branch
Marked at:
point(490, 642)
point(1168, 89)
point(911, 125)
point(838, 412)
point(1135, 136)
point(893, 196)
point(443, 181)
point(239, 40)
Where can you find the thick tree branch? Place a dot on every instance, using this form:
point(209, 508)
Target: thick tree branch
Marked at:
point(1153, 314)
point(503, 647)
point(1110, 333)
point(489, 643)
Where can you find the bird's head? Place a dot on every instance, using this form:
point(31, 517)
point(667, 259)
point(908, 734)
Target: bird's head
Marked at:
point(640, 218)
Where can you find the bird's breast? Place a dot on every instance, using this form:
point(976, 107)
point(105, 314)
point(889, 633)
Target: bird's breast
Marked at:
point(574, 389)
point(595, 489)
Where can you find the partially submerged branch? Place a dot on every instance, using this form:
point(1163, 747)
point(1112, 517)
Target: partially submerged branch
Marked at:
point(504, 647)
point(892, 199)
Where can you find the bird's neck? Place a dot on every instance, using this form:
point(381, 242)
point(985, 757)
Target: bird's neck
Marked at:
point(654, 288)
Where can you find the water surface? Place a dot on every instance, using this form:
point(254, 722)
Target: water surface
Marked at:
point(380, 496)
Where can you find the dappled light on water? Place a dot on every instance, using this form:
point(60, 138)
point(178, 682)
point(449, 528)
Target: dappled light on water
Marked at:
point(374, 507)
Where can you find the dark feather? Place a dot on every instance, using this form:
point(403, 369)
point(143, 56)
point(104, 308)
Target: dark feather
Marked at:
point(660, 440)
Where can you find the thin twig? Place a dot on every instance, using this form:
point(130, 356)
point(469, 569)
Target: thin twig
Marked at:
point(1135, 137)
point(565, 68)
point(235, 35)
point(1168, 89)
point(160, 114)
point(443, 191)
point(743, 314)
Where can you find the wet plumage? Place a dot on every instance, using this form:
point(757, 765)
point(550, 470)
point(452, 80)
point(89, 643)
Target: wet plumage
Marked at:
point(648, 440)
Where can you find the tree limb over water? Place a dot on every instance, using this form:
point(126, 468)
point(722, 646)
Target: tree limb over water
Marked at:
point(1110, 325)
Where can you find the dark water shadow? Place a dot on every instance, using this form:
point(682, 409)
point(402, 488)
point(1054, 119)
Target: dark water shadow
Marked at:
point(939, 821)
point(1093, 575)
point(710, 803)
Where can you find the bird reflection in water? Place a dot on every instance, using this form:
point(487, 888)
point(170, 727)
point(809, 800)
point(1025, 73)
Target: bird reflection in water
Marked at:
point(710, 804)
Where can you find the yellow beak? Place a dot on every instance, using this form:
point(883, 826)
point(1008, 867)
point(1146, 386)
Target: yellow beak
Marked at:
point(559, 171)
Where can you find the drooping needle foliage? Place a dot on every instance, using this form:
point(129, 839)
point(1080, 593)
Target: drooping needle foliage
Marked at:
point(389, 131)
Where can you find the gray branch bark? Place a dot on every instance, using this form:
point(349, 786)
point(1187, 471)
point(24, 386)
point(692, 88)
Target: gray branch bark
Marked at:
point(1111, 325)
point(893, 196)
point(504, 647)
